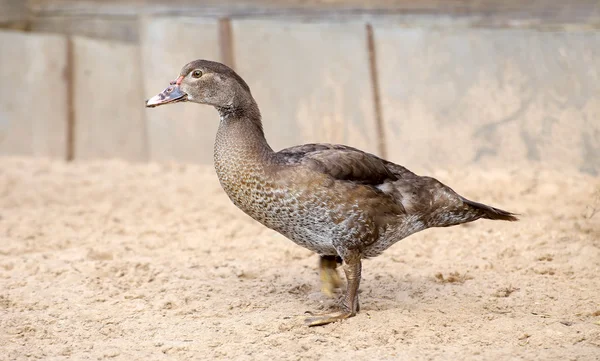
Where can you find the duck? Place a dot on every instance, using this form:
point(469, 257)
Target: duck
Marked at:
point(342, 203)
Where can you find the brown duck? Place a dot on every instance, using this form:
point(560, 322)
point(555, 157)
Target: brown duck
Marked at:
point(340, 202)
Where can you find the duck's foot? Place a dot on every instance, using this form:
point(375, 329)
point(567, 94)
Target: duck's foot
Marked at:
point(349, 306)
point(319, 320)
point(330, 278)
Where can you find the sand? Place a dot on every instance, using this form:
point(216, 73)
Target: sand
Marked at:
point(109, 260)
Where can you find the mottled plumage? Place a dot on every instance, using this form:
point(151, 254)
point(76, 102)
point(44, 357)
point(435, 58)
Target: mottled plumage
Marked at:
point(335, 200)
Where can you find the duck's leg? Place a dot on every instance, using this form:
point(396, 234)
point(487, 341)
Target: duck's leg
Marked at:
point(330, 279)
point(350, 301)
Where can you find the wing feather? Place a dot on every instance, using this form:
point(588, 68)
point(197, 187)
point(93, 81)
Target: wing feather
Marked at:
point(344, 163)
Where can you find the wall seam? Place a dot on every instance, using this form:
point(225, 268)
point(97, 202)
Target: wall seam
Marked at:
point(379, 126)
point(70, 79)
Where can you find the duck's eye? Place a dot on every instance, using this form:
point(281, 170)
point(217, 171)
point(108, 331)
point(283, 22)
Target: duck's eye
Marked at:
point(196, 73)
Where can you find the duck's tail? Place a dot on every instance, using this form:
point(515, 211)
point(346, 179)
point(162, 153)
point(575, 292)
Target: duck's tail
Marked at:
point(440, 206)
point(487, 212)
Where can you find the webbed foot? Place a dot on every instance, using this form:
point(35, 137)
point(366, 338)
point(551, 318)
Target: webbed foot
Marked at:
point(349, 305)
point(323, 319)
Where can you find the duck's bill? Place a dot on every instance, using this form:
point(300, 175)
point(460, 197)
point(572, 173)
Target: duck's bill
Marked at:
point(172, 94)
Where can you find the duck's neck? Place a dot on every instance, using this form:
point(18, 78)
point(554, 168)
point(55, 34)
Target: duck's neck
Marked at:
point(240, 140)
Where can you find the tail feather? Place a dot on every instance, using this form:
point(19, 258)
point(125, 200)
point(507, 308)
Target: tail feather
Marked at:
point(488, 212)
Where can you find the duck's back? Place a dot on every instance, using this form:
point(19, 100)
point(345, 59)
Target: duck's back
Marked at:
point(421, 196)
point(366, 201)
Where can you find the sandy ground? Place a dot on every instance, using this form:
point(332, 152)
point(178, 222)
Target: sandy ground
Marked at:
point(146, 262)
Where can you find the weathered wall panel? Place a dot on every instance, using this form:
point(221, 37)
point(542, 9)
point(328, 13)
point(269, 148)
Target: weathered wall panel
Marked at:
point(109, 113)
point(512, 13)
point(311, 81)
point(460, 97)
point(33, 94)
point(107, 27)
point(183, 132)
point(13, 13)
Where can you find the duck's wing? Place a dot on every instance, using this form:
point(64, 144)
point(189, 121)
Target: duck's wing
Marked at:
point(436, 203)
point(344, 163)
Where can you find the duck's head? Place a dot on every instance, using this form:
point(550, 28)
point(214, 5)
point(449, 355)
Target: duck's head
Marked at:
point(204, 82)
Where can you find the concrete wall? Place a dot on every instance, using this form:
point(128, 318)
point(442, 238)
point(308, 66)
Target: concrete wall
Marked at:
point(462, 96)
point(433, 91)
point(33, 94)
